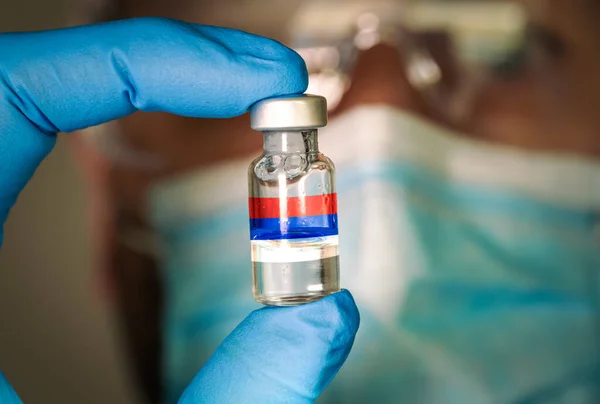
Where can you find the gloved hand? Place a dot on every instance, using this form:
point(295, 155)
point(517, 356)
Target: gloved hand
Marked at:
point(61, 81)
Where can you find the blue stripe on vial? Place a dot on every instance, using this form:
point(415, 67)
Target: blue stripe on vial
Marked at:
point(293, 227)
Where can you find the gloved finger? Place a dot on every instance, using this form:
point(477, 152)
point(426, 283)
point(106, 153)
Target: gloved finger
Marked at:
point(7, 394)
point(74, 78)
point(279, 355)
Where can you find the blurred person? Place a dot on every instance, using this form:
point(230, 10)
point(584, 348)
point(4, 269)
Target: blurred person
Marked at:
point(469, 213)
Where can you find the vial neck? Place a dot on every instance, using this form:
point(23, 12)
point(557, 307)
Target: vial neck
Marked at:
point(290, 142)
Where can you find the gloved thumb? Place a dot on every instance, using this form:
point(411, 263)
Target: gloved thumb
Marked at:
point(279, 355)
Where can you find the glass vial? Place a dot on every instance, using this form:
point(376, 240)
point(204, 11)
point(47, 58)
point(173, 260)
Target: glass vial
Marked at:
point(292, 204)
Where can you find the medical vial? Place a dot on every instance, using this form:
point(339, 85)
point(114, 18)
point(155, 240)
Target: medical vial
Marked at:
point(292, 204)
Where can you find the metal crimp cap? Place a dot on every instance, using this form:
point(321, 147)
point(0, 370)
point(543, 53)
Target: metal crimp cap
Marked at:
point(290, 112)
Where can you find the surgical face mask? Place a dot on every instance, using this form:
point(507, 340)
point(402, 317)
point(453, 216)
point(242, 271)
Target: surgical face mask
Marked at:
point(475, 267)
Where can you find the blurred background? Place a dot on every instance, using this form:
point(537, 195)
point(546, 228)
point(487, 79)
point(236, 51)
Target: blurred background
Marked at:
point(82, 286)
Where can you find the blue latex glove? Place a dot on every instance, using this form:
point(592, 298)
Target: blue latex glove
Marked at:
point(61, 81)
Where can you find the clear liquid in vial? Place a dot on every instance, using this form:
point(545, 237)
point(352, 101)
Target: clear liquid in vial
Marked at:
point(295, 271)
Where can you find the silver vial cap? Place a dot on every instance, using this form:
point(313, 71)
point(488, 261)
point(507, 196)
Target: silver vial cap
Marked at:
point(291, 112)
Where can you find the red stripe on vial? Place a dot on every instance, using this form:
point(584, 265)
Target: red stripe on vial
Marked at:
point(299, 206)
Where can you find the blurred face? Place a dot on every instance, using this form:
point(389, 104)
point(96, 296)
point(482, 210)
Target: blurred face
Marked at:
point(546, 102)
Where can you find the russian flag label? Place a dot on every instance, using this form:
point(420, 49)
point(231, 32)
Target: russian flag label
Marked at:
point(293, 217)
